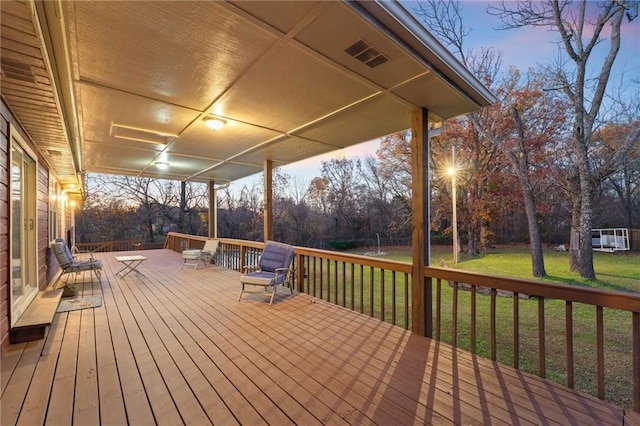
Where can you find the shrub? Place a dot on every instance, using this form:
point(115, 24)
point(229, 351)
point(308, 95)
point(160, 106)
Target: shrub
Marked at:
point(343, 245)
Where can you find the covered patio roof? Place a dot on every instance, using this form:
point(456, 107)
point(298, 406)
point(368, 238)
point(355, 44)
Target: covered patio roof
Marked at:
point(115, 87)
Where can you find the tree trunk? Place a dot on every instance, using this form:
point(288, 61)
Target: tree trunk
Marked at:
point(574, 243)
point(484, 239)
point(183, 207)
point(585, 256)
point(627, 195)
point(585, 265)
point(150, 228)
point(521, 166)
point(472, 248)
point(537, 258)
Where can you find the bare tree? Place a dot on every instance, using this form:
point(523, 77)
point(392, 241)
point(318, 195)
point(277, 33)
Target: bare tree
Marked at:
point(343, 179)
point(578, 37)
point(155, 199)
point(393, 177)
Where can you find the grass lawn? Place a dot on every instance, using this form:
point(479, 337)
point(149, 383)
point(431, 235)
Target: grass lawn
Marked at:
point(620, 271)
point(614, 271)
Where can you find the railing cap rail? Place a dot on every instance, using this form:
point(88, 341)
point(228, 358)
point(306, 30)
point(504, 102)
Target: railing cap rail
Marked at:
point(569, 292)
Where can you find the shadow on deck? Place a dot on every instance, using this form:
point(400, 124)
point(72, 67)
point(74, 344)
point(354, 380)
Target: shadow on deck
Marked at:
point(175, 346)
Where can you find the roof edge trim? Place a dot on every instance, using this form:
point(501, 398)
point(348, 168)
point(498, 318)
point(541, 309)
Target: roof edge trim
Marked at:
point(411, 26)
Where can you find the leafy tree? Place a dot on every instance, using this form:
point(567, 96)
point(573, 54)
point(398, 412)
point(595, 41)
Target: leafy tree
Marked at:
point(579, 37)
point(524, 136)
point(620, 183)
point(108, 220)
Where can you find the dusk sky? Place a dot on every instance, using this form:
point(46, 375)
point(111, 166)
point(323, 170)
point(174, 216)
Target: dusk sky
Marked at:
point(522, 48)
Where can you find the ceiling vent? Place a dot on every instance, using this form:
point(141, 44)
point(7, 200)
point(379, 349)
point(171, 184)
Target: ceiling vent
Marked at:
point(365, 53)
point(17, 70)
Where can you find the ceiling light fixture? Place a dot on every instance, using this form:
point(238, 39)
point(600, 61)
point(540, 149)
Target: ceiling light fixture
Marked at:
point(214, 123)
point(162, 165)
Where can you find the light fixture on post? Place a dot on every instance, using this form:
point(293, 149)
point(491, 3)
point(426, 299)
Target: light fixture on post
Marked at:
point(214, 123)
point(452, 171)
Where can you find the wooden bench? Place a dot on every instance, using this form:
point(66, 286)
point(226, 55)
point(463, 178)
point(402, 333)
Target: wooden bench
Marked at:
point(38, 316)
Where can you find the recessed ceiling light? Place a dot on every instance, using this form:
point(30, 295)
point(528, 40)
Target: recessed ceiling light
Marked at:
point(162, 165)
point(214, 123)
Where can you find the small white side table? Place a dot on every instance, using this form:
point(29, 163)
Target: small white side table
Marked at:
point(130, 263)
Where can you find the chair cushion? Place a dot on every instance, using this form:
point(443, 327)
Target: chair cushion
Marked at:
point(259, 278)
point(84, 265)
point(211, 246)
point(191, 254)
point(62, 253)
point(274, 256)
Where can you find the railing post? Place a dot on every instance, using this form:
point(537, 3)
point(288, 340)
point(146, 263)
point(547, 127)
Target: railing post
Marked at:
point(243, 254)
point(300, 272)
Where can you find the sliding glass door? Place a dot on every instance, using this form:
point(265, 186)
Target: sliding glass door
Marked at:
point(22, 247)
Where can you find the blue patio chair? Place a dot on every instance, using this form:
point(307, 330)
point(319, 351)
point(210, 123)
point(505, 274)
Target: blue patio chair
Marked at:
point(273, 269)
point(70, 264)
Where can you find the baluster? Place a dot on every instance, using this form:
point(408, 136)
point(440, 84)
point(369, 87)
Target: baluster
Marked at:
point(371, 292)
point(454, 316)
point(335, 282)
point(569, 332)
point(600, 350)
point(382, 294)
point(474, 316)
point(321, 261)
point(635, 356)
point(541, 343)
point(406, 301)
point(492, 322)
point(353, 286)
point(516, 330)
point(438, 307)
point(344, 284)
point(393, 297)
point(361, 288)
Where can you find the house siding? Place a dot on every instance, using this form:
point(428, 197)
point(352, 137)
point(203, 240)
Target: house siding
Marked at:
point(4, 227)
point(7, 118)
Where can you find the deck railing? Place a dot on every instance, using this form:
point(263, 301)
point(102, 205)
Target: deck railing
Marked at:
point(109, 246)
point(574, 327)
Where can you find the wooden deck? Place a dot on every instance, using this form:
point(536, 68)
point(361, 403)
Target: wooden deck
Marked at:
point(175, 347)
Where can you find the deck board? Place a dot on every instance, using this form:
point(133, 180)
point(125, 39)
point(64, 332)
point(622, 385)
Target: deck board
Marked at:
point(20, 380)
point(174, 346)
point(136, 406)
point(63, 390)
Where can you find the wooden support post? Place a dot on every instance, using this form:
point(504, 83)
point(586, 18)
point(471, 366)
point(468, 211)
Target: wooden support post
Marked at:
point(213, 210)
point(268, 200)
point(421, 304)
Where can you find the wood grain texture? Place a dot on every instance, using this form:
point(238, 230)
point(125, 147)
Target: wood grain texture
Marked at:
point(175, 346)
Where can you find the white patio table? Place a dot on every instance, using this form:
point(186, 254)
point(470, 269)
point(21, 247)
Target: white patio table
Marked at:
point(131, 264)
